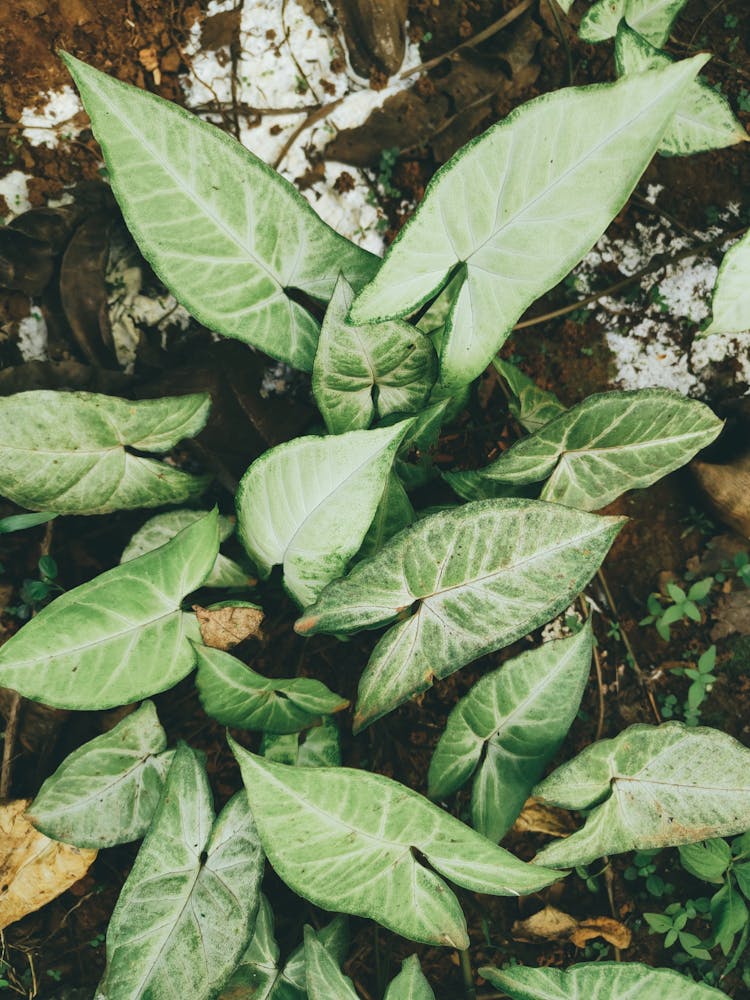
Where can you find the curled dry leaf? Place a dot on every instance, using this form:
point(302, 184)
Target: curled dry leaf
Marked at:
point(551, 924)
point(33, 869)
point(224, 626)
point(539, 817)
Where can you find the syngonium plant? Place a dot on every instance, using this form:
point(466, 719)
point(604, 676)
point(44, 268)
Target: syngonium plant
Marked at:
point(401, 340)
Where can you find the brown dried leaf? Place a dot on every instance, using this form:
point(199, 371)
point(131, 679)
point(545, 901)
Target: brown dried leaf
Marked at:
point(33, 869)
point(727, 488)
point(551, 924)
point(732, 614)
point(224, 627)
point(538, 817)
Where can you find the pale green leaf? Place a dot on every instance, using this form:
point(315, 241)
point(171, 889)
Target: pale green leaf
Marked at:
point(730, 306)
point(161, 528)
point(507, 729)
point(651, 18)
point(364, 372)
point(19, 522)
point(472, 484)
point(410, 983)
point(650, 787)
point(308, 504)
point(71, 451)
point(316, 747)
point(224, 232)
point(119, 638)
point(517, 208)
point(531, 406)
point(414, 458)
point(465, 582)
point(598, 981)
point(106, 791)
point(186, 913)
point(394, 513)
point(704, 118)
point(257, 971)
point(609, 443)
point(324, 979)
point(334, 937)
point(235, 695)
point(353, 847)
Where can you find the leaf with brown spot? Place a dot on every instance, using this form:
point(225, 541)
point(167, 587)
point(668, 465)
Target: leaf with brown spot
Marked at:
point(226, 625)
point(33, 869)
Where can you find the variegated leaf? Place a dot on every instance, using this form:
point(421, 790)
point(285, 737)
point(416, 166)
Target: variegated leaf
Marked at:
point(323, 977)
point(730, 305)
point(531, 406)
point(410, 983)
point(651, 18)
point(319, 746)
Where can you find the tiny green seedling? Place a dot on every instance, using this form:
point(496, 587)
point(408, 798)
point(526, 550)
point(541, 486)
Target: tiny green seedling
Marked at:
point(684, 605)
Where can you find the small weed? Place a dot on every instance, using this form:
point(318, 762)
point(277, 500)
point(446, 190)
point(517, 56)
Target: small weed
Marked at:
point(684, 605)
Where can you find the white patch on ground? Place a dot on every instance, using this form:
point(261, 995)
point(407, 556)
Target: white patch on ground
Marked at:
point(45, 124)
point(269, 77)
point(130, 308)
point(14, 187)
point(32, 337)
point(656, 339)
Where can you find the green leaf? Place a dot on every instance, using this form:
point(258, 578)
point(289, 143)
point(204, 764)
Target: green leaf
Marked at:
point(465, 582)
point(650, 18)
point(507, 729)
point(308, 504)
point(235, 695)
point(410, 983)
point(651, 787)
point(609, 443)
point(257, 971)
point(742, 873)
point(324, 979)
point(366, 371)
point(414, 459)
point(316, 747)
point(730, 305)
point(161, 528)
point(119, 638)
point(19, 522)
point(394, 512)
point(70, 451)
point(704, 119)
point(106, 791)
point(186, 913)
point(707, 859)
point(334, 937)
point(520, 206)
point(356, 842)
point(598, 981)
point(531, 406)
point(728, 915)
point(474, 485)
point(224, 232)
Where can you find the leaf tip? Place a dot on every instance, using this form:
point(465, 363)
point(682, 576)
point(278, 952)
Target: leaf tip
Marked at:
point(303, 626)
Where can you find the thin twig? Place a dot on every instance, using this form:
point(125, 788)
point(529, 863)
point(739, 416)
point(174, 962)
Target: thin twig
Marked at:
point(609, 880)
point(322, 111)
point(9, 742)
point(563, 40)
point(235, 51)
point(599, 675)
point(480, 36)
point(657, 263)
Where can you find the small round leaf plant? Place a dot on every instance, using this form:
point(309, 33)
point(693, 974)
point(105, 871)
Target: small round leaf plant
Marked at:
point(401, 341)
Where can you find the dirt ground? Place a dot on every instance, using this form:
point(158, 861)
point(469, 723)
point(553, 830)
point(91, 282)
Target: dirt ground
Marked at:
point(675, 529)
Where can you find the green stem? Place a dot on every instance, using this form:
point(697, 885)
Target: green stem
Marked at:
point(469, 991)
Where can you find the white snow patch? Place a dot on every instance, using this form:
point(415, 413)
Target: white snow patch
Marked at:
point(656, 340)
point(45, 124)
point(268, 77)
point(14, 187)
point(32, 337)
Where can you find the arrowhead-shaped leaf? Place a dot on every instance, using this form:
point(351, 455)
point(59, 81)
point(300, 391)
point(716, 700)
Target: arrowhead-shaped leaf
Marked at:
point(651, 18)
point(119, 638)
point(324, 979)
point(609, 443)
point(356, 845)
point(224, 232)
point(235, 695)
point(650, 787)
point(106, 791)
point(507, 729)
point(474, 578)
point(531, 406)
point(730, 305)
point(186, 913)
point(163, 527)
point(364, 372)
point(517, 208)
point(69, 451)
point(598, 981)
point(316, 747)
point(258, 970)
point(410, 983)
point(704, 118)
point(308, 504)
point(414, 459)
point(394, 512)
